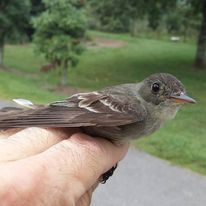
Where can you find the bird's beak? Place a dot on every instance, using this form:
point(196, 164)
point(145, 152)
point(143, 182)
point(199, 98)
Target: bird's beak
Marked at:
point(182, 98)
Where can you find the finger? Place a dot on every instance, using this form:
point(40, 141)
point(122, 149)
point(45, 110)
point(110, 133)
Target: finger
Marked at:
point(85, 199)
point(29, 142)
point(7, 133)
point(62, 173)
point(83, 159)
point(94, 186)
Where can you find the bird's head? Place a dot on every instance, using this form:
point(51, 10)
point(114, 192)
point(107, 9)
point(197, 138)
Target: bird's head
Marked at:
point(164, 89)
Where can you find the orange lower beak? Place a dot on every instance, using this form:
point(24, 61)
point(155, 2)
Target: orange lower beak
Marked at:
point(182, 99)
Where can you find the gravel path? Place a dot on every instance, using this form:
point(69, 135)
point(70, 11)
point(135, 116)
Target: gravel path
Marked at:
point(144, 180)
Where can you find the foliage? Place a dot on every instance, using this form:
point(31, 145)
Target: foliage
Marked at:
point(179, 16)
point(201, 43)
point(13, 18)
point(59, 30)
point(108, 15)
point(37, 7)
point(178, 20)
point(120, 15)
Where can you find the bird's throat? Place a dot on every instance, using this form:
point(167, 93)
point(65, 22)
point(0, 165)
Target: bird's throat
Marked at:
point(165, 113)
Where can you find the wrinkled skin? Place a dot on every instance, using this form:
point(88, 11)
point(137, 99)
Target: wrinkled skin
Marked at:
point(53, 167)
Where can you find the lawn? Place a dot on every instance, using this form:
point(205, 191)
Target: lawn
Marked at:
point(182, 141)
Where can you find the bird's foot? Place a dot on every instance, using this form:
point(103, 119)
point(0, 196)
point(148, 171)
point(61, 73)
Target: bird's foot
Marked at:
point(107, 175)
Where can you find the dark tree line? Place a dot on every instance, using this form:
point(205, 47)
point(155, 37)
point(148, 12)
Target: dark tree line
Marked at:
point(201, 43)
point(14, 16)
point(179, 16)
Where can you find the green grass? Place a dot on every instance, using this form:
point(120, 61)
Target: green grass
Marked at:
point(182, 141)
point(13, 86)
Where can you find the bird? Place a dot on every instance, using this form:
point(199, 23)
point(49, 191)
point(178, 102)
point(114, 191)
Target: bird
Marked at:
point(118, 113)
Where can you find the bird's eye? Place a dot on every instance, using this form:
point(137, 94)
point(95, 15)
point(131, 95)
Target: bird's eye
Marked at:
point(156, 87)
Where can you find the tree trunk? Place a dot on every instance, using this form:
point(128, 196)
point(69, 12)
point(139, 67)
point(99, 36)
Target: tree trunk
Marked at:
point(1, 52)
point(64, 73)
point(200, 54)
point(134, 27)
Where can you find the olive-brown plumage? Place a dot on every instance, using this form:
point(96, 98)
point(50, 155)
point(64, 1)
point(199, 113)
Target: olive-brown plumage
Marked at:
point(117, 113)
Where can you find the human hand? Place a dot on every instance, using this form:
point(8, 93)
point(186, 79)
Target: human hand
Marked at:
point(53, 167)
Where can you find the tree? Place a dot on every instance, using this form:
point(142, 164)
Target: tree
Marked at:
point(196, 9)
point(201, 43)
point(37, 7)
point(59, 30)
point(190, 12)
point(13, 17)
point(181, 16)
point(121, 15)
point(108, 15)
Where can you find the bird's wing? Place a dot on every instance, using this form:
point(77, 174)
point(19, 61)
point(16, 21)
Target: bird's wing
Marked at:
point(83, 109)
